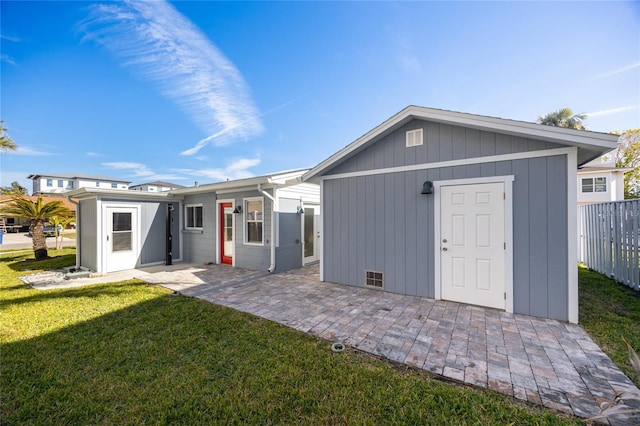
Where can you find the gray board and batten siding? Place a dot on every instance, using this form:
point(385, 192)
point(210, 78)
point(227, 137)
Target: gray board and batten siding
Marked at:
point(87, 215)
point(381, 222)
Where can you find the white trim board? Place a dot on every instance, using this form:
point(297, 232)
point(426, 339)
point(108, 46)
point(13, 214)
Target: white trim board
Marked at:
point(508, 231)
point(453, 163)
point(572, 235)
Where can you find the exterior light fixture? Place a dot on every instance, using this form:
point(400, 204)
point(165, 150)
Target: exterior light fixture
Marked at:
point(427, 187)
point(300, 210)
point(237, 210)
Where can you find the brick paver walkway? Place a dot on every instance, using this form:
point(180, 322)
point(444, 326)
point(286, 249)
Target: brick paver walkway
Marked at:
point(538, 360)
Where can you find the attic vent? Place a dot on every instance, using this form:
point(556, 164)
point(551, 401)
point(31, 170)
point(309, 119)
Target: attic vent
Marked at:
point(414, 137)
point(374, 279)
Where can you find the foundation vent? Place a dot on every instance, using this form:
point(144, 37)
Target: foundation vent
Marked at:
point(374, 279)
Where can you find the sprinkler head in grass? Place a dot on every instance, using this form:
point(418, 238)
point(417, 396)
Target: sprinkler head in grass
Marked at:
point(337, 347)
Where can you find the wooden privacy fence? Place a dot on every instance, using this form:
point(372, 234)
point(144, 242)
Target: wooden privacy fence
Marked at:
point(609, 240)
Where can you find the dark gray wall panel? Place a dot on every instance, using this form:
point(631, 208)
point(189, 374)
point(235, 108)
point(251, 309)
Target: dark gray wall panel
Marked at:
point(88, 234)
point(557, 250)
point(538, 238)
point(289, 250)
point(521, 232)
point(288, 257)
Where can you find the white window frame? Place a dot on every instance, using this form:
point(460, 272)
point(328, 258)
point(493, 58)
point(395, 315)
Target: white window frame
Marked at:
point(245, 211)
point(60, 183)
point(49, 183)
point(414, 138)
point(186, 216)
point(594, 185)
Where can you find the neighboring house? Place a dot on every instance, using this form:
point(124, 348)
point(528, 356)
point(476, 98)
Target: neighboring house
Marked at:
point(21, 224)
point(261, 223)
point(600, 184)
point(157, 186)
point(461, 207)
point(60, 183)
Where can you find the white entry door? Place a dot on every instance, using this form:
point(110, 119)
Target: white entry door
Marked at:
point(311, 233)
point(122, 239)
point(473, 244)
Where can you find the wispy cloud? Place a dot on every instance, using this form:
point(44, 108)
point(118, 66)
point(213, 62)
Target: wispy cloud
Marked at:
point(9, 38)
point(617, 71)
point(237, 169)
point(93, 154)
point(32, 152)
point(142, 171)
point(611, 111)
point(6, 58)
point(163, 46)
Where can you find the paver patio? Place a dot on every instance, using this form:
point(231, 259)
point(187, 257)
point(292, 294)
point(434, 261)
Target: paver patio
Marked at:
point(543, 361)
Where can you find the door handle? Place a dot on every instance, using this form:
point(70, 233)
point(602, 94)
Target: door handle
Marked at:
point(444, 249)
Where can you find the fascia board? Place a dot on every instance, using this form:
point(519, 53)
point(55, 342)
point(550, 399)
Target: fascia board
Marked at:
point(82, 193)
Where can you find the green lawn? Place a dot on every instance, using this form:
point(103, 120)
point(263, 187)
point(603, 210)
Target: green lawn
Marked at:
point(129, 353)
point(610, 312)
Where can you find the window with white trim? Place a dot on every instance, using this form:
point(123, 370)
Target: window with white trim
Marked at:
point(414, 137)
point(70, 184)
point(60, 183)
point(594, 184)
point(49, 182)
point(254, 220)
point(193, 216)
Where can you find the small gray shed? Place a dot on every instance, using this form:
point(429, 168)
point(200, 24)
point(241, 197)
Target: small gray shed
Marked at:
point(461, 207)
point(262, 223)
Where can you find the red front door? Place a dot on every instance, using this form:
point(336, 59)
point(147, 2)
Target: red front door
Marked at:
point(226, 233)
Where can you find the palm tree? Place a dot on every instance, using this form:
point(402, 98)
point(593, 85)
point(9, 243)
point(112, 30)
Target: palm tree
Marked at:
point(38, 212)
point(6, 143)
point(564, 117)
point(62, 222)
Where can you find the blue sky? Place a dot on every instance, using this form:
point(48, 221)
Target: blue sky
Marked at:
point(205, 91)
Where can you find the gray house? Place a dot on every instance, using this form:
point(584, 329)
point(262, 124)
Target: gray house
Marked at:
point(460, 207)
point(261, 223)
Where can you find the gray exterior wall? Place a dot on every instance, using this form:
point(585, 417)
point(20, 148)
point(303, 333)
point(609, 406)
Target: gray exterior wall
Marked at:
point(250, 256)
point(153, 231)
point(200, 245)
point(383, 223)
point(88, 228)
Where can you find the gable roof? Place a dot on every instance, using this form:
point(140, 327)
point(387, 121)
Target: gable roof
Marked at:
point(590, 144)
point(280, 179)
point(158, 183)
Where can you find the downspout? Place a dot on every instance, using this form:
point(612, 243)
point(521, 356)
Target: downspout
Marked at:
point(272, 267)
point(78, 240)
